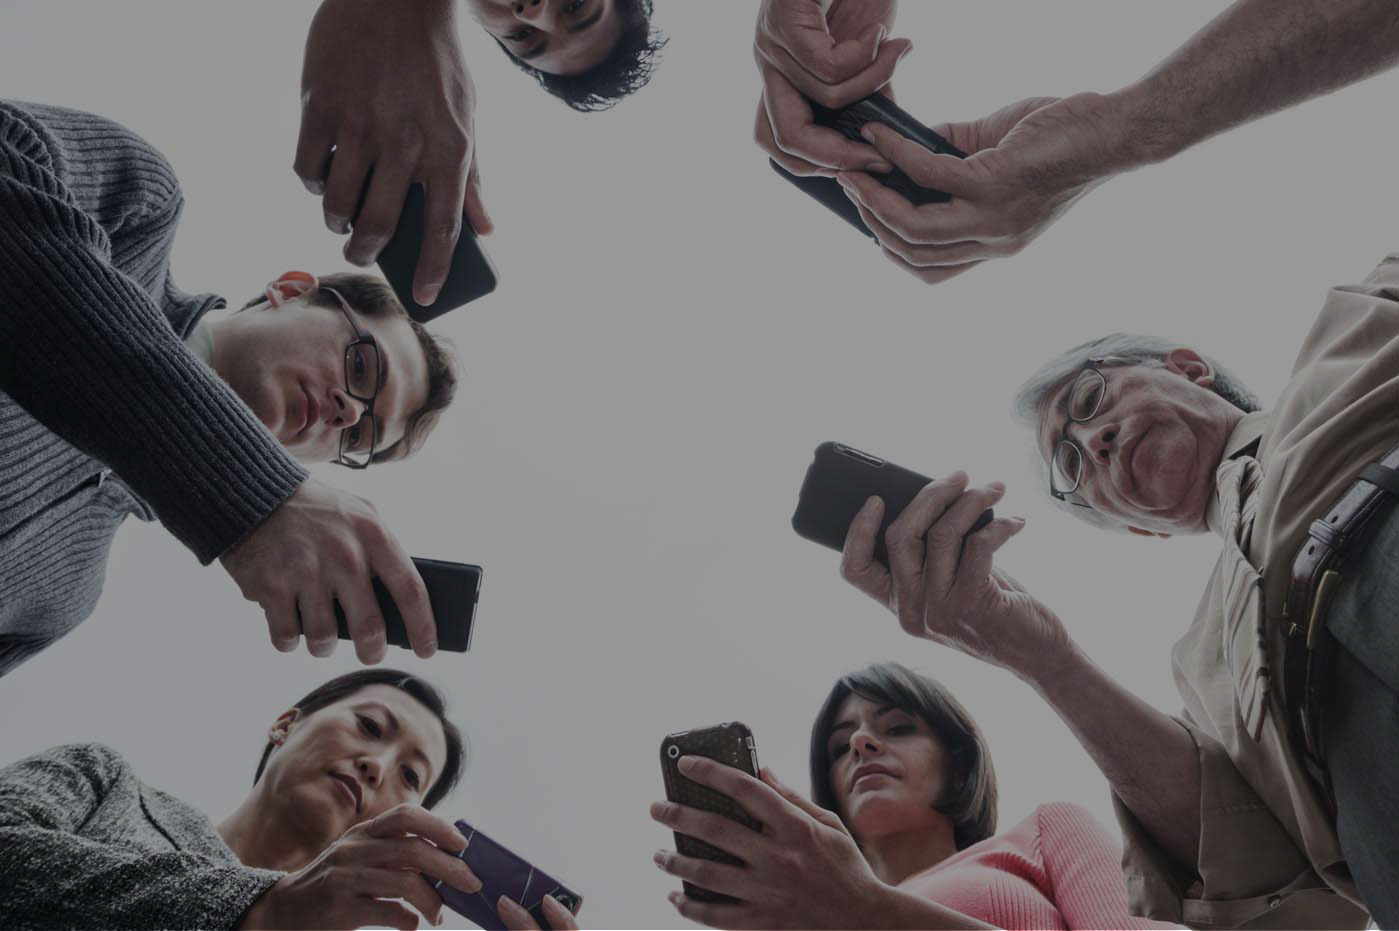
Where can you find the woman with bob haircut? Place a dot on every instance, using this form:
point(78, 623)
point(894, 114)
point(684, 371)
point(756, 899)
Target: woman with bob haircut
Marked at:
point(901, 832)
point(335, 827)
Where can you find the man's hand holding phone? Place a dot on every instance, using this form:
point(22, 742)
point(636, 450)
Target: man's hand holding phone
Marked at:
point(323, 545)
point(941, 584)
point(385, 87)
point(833, 57)
point(517, 918)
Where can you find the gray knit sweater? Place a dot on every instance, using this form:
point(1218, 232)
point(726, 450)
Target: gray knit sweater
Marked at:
point(85, 844)
point(94, 377)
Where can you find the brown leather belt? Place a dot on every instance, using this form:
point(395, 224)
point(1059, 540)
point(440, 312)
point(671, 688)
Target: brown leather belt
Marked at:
point(1332, 541)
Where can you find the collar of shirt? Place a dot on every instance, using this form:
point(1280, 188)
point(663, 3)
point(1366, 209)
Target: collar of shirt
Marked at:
point(1246, 435)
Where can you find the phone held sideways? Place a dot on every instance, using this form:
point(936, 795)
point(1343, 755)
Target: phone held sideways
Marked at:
point(502, 872)
point(848, 121)
point(730, 743)
point(840, 480)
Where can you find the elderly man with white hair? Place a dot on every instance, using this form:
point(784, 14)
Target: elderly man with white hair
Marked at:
point(1273, 799)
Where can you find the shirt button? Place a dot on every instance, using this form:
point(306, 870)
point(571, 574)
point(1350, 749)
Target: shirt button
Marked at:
point(1274, 901)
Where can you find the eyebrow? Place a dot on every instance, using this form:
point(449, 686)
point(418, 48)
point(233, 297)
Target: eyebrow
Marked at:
point(573, 29)
point(415, 750)
point(885, 709)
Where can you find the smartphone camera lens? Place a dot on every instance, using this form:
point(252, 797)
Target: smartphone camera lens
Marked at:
point(673, 751)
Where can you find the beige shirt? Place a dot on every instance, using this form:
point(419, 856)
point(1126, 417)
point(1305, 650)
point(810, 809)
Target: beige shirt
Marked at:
point(1269, 856)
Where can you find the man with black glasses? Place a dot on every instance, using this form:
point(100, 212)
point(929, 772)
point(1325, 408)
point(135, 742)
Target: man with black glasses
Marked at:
point(118, 395)
point(1273, 800)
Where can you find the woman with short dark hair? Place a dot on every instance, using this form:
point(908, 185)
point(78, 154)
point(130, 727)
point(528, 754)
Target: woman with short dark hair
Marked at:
point(335, 826)
point(901, 832)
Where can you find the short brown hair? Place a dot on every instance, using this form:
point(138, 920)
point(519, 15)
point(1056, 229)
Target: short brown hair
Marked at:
point(373, 297)
point(970, 800)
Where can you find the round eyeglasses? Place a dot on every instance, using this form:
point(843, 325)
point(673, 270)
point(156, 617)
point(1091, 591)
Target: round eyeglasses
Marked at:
point(1084, 401)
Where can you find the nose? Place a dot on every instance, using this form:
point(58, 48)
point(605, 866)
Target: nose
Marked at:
point(541, 14)
point(369, 771)
point(1099, 441)
point(864, 744)
point(344, 410)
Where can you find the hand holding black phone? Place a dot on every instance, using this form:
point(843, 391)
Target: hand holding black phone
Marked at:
point(848, 121)
point(453, 589)
point(471, 274)
point(840, 480)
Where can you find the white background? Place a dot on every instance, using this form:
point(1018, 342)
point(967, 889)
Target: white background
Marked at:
point(676, 330)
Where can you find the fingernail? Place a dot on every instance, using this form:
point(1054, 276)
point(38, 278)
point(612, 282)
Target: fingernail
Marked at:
point(314, 185)
point(871, 503)
point(286, 645)
point(673, 898)
point(882, 167)
point(997, 487)
point(461, 839)
point(686, 764)
point(428, 296)
point(364, 252)
point(437, 919)
point(427, 649)
point(957, 477)
point(867, 131)
point(337, 224)
point(906, 50)
point(1018, 521)
point(659, 857)
point(321, 647)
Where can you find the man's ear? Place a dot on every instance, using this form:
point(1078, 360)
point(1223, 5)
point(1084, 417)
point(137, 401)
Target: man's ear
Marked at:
point(1187, 362)
point(279, 730)
point(289, 287)
point(1148, 533)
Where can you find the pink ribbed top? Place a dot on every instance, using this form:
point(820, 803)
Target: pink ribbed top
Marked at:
point(1056, 869)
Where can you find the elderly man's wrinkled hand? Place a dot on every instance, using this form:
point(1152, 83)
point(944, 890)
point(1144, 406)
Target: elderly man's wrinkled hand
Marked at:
point(940, 582)
point(1028, 163)
point(385, 88)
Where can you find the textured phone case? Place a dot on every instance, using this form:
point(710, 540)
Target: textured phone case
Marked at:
point(848, 121)
point(502, 872)
point(840, 480)
point(470, 276)
point(731, 744)
point(452, 590)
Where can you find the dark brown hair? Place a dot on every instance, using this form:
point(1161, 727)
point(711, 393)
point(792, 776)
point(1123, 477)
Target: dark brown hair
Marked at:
point(373, 297)
point(970, 800)
point(428, 696)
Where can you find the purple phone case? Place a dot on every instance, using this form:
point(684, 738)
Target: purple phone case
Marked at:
point(502, 873)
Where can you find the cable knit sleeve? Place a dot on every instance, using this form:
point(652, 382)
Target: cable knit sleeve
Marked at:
point(1082, 865)
point(58, 876)
point(86, 352)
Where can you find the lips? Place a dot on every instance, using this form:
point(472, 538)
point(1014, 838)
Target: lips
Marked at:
point(351, 789)
point(311, 411)
point(869, 769)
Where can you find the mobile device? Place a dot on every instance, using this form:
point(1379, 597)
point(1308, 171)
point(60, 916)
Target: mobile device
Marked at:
point(453, 589)
point(471, 275)
point(731, 744)
point(502, 872)
point(847, 121)
point(840, 480)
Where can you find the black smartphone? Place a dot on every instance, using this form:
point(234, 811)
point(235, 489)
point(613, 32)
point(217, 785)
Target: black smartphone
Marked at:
point(453, 589)
point(502, 872)
point(840, 480)
point(848, 121)
point(730, 743)
point(471, 276)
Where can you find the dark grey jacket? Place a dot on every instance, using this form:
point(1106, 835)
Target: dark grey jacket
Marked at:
point(85, 844)
point(95, 378)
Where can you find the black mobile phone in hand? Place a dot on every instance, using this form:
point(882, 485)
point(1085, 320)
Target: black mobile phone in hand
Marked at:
point(848, 121)
point(471, 275)
point(840, 480)
point(730, 743)
point(453, 589)
point(502, 872)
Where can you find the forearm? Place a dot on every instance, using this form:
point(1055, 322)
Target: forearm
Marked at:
point(1257, 57)
point(1148, 758)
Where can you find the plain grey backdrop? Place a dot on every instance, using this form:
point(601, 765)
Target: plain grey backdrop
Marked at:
point(675, 331)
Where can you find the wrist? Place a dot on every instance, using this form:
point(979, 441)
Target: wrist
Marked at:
point(1052, 668)
point(259, 916)
point(1153, 132)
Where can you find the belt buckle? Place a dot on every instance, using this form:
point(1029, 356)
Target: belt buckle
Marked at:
point(1324, 590)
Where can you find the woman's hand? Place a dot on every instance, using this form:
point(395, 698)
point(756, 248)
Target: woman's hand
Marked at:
point(946, 590)
point(517, 919)
point(350, 884)
point(803, 870)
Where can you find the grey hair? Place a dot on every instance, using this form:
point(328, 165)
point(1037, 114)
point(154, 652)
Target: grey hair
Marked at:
point(1115, 349)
